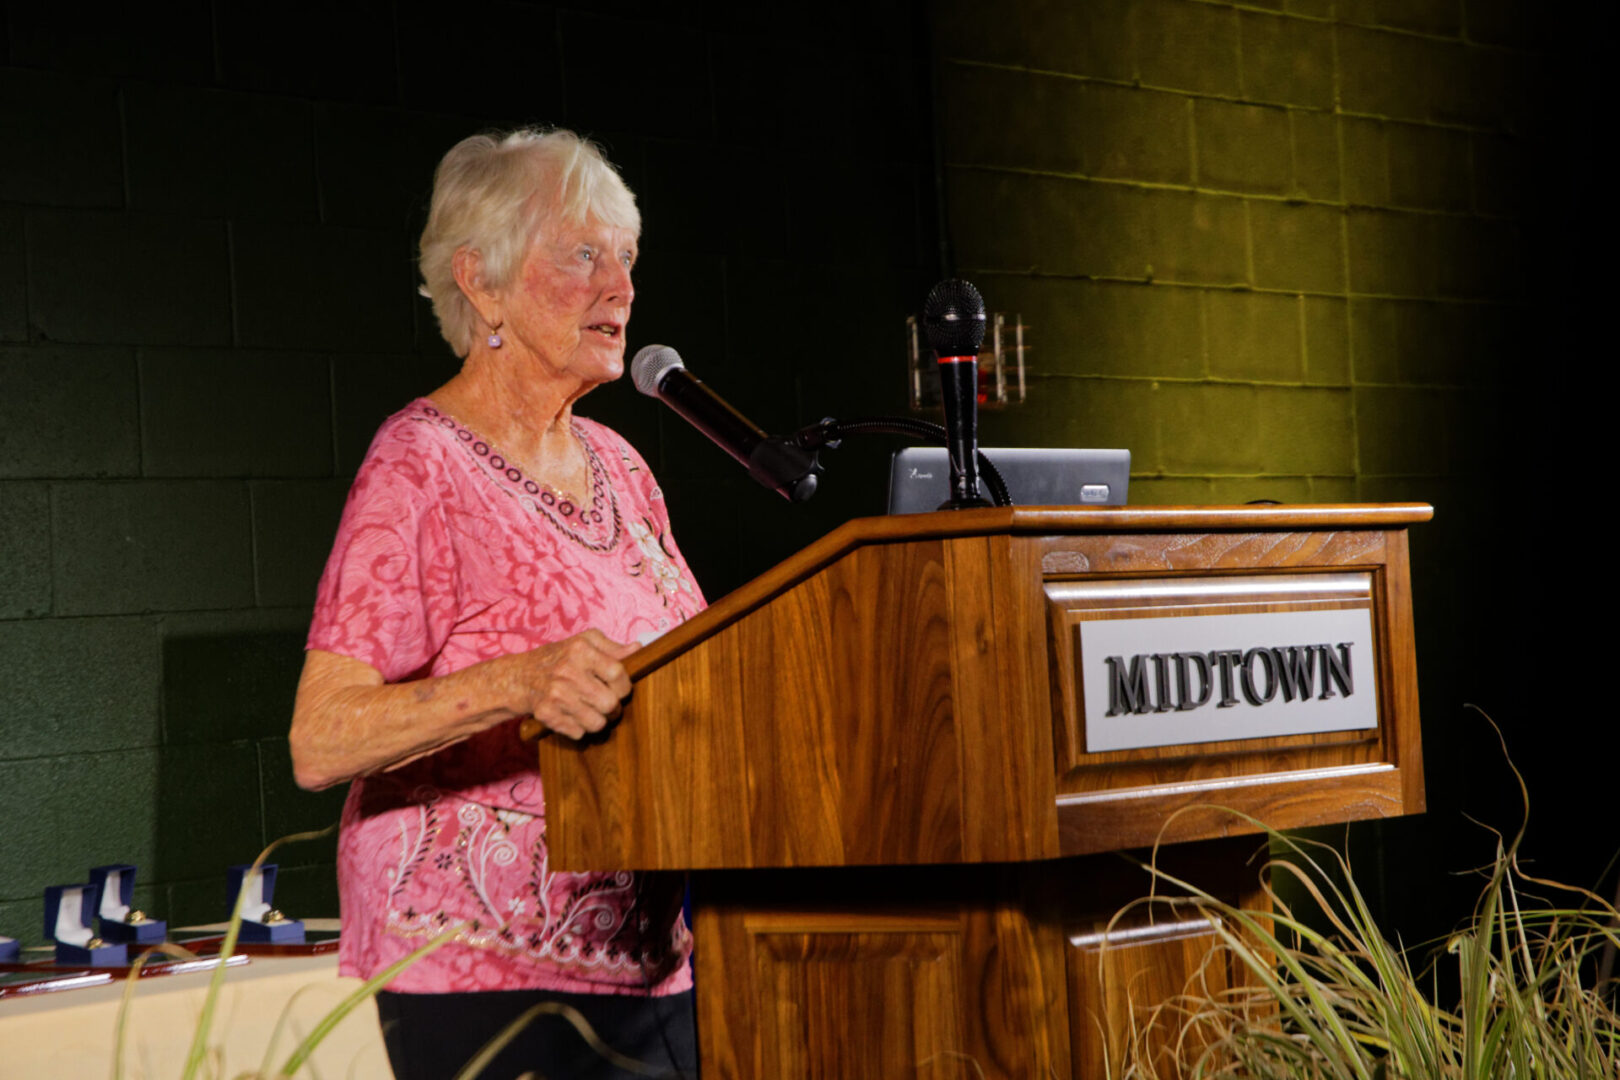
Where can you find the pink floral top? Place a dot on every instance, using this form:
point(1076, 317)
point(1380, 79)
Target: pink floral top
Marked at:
point(448, 555)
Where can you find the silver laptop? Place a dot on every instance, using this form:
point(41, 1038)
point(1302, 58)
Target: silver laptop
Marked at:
point(920, 477)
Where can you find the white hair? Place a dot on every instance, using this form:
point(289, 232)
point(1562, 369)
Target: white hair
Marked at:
point(494, 194)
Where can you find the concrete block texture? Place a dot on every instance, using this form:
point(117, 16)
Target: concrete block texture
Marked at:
point(307, 287)
point(1245, 148)
point(1433, 256)
point(1209, 429)
point(374, 165)
point(1441, 17)
point(1296, 246)
point(212, 153)
point(1032, 120)
point(272, 50)
point(1080, 327)
point(172, 42)
point(667, 57)
point(1403, 76)
point(1316, 155)
point(1187, 46)
point(1327, 340)
point(1221, 429)
point(1403, 431)
point(60, 141)
point(1254, 336)
point(1049, 35)
point(368, 389)
point(1417, 342)
point(1429, 167)
point(156, 546)
point(13, 277)
point(229, 679)
point(1365, 161)
point(289, 809)
point(218, 412)
point(1109, 413)
point(695, 198)
point(127, 278)
point(208, 811)
point(25, 550)
point(1286, 61)
point(294, 523)
point(68, 411)
point(1306, 430)
point(78, 685)
point(528, 92)
point(1067, 227)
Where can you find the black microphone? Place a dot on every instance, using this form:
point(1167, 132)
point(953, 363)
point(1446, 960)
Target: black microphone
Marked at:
point(658, 372)
point(953, 317)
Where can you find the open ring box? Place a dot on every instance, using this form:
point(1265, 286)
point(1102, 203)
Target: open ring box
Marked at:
point(261, 922)
point(68, 911)
point(115, 888)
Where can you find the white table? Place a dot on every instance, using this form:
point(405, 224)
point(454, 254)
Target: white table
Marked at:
point(69, 1033)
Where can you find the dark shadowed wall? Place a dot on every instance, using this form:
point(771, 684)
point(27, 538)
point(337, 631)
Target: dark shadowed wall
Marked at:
point(207, 304)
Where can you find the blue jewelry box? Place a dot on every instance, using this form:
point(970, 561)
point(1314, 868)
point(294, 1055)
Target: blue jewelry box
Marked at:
point(262, 924)
point(10, 949)
point(115, 889)
point(68, 912)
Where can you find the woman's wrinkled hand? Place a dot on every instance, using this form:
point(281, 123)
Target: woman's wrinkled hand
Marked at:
point(573, 687)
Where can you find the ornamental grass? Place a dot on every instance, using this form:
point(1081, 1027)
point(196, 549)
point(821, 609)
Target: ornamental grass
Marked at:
point(1323, 994)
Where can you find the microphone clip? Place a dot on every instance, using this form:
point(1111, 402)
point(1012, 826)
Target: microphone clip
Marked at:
point(783, 465)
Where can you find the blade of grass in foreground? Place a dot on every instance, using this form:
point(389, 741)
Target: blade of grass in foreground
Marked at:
point(366, 990)
point(199, 1040)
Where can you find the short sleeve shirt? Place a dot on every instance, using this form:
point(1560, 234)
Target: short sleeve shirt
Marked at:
point(449, 554)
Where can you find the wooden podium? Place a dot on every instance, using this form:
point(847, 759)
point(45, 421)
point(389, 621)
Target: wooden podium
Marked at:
point(874, 760)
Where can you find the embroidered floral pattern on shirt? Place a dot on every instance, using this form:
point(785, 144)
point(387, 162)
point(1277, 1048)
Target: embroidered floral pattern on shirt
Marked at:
point(596, 527)
point(655, 564)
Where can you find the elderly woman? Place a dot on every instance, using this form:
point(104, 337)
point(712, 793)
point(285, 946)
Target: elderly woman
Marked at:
point(498, 558)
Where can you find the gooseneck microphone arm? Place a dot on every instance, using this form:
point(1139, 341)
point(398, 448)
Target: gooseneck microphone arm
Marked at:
point(829, 433)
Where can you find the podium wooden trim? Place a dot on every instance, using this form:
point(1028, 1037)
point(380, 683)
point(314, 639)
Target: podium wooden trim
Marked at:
point(871, 757)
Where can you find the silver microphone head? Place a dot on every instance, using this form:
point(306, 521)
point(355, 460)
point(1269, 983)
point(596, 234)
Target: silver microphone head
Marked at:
point(651, 364)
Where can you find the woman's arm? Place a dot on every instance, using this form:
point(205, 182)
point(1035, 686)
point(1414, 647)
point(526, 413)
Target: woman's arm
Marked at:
point(348, 722)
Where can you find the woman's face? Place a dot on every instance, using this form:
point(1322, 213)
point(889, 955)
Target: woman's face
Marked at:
point(570, 301)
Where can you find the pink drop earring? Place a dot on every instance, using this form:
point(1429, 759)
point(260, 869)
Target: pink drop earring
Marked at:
point(494, 340)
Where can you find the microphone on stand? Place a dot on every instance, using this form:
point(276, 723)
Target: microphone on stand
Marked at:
point(779, 464)
point(953, 318)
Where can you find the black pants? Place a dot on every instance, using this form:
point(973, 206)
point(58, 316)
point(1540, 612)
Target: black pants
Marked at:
point(432, 1036)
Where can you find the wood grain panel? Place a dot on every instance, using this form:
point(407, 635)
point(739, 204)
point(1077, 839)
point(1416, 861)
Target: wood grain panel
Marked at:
point(1176, 813)
point(1119, 979)
point(792, 729)
point(898, 730)
point(1171, 552)
point(860, 1003)
point(932, 971)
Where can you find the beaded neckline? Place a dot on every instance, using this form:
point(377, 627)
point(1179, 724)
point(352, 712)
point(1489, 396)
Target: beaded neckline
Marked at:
point(596, 527)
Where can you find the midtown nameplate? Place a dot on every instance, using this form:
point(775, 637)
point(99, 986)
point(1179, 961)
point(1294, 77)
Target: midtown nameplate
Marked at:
point(1167, 681)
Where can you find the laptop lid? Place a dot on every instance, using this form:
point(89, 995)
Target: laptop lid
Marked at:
point(920, 477)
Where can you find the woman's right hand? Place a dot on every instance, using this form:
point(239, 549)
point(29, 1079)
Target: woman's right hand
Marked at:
point(573, 687)
point(347, 722)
